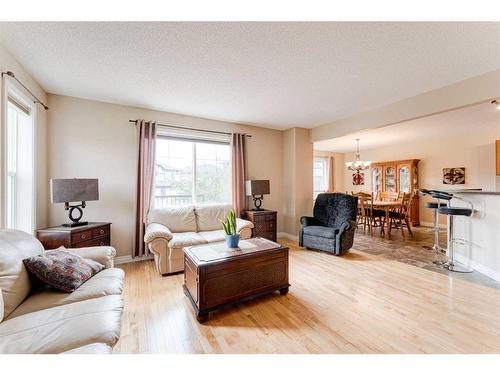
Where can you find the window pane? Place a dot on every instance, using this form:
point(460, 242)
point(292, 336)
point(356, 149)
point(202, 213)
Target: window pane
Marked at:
point(20, 170)
point(213, 173)
point(177, 184)
point(174, 173)
point(319, 175)
point(10, 201)
point(11, 138)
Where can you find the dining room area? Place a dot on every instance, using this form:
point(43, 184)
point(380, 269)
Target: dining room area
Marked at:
point(424, 189)
point(392, 205)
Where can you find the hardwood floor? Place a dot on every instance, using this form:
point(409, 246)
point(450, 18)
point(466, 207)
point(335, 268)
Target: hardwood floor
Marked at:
point(359, 303)
point(414, 250)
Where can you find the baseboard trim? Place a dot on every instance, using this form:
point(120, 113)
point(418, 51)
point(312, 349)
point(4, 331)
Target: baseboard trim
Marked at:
point(129, 259)
point(481, 268)
point(288, 236)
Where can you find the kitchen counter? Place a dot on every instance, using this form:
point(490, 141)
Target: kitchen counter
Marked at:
point(482, 229)
point(472, 191)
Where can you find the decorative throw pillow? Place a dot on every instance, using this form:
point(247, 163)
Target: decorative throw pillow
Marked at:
point(62, 269)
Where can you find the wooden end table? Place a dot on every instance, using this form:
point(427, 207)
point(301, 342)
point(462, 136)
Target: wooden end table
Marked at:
point(216, 276)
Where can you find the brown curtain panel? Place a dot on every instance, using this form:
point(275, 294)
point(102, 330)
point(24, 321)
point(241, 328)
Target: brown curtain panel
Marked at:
point(330, 184)
point(238, 172)
point(145, 181)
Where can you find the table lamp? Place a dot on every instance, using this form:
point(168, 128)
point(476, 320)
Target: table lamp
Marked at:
point(257, 189)
point(67, 190)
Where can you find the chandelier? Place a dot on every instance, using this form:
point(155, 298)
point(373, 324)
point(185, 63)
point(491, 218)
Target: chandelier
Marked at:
point(358, 165)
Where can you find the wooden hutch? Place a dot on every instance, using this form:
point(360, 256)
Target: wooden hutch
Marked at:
point(397, 176)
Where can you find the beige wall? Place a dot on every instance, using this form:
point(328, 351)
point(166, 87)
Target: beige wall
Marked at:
point(474, 151)
point(94, 139)
point(297, 177)
point(7, 62)
point(338, 168)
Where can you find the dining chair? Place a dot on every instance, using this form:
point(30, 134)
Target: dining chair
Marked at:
point(400, 217)
point(389, 196)
point(368, 216)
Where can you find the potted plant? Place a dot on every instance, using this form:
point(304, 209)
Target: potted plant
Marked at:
point(229, 226)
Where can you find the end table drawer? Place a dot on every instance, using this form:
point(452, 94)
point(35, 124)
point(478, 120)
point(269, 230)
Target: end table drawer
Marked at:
point(103, 231)
point(81, 236)
point(105, 241)
point(271, 217)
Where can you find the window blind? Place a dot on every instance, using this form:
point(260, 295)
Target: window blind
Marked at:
point(191, 135)
point(19, 105)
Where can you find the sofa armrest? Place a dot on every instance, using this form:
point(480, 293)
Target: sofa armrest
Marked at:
point(101, 254)
point(307, 221)
point(242, 224)
point(156, 230)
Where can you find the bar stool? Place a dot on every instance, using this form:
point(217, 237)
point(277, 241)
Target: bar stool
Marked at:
point(437, 249)
point(451, 212)
point(438, 195)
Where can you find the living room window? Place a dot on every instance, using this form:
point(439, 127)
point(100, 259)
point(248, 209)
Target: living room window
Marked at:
point(320, 168)
point(19, 175)
point(190, 171)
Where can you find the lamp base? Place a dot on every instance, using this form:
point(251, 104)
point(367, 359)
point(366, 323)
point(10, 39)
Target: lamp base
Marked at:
point(75, 224)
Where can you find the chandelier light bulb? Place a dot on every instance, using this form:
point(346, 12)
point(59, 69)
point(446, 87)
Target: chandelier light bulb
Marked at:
point(358, 165)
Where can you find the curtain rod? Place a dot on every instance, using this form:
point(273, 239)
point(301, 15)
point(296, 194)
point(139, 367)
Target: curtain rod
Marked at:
point(10, 74)
point(194, 129)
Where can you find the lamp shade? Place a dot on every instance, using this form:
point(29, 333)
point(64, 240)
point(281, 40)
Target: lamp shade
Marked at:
point(257, 187)
point(74, 190)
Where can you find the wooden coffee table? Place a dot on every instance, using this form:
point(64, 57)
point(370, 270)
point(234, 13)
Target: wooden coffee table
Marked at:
point(216, 276)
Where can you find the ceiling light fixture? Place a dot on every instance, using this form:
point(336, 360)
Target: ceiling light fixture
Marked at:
point(496, 103)
point(358, 165)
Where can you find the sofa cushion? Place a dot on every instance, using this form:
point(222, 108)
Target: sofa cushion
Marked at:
point(64, 328)
point(105, 283)
point(209, 216)
point(101, 254)
point(318, 231)
point(96, 348)
point(62, 269)
point(185, 239)
point(15, 284)
point(213, 235)
point(176, 219)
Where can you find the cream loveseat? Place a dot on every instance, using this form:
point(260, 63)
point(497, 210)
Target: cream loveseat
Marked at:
point(171, 229)
point(48, 321)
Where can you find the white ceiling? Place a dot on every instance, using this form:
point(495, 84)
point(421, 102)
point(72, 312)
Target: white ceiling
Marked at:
point(271, 74)
point(462, 121)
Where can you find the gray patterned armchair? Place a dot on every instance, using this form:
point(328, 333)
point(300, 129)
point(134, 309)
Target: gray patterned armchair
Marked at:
point(333, 225)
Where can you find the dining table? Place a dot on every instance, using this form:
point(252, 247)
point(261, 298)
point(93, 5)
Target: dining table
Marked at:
point(387, 206)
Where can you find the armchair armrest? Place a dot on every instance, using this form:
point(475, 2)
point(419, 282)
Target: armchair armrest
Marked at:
point(242, 224)
point(156, 230)
point(307, 221)
point(345, 238)
point(101, 254)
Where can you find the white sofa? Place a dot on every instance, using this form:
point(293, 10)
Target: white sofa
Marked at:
point(47, 321)
point(169, 230)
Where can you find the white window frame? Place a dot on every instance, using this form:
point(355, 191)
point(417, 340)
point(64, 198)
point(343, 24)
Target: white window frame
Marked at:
point(193, 137)
point(12, 90)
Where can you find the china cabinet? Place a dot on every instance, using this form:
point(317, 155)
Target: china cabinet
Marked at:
point(397, 176)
